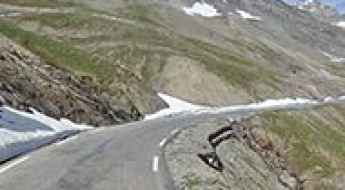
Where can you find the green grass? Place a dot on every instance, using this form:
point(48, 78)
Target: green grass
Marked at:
point(81, 19)
point(141, 14)
point(38, 3)
point(59, 20)
point(308, 136)
point(232, 68)
point(59, 54)
point(192, 182)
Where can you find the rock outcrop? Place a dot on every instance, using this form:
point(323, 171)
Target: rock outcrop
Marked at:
point(249, 163)
point(292, 150)
point(27, 82)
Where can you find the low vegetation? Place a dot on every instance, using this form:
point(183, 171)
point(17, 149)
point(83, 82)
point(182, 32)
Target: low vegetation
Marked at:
point(131, 45)
point(38, 3)
point(314, 139)
point(62, 55)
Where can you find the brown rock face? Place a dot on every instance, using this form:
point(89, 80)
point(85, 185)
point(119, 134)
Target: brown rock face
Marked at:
point(249, 161)
point(25, 81)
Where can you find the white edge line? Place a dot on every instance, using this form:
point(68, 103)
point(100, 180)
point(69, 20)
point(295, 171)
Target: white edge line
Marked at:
point(66, 140)
point(155, 164)
point(162, 143)
point(174, 132)
point(13, 164)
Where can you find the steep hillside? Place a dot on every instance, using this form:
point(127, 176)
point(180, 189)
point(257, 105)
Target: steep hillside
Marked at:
point(104, 62)
point(28, 82)
point(135, 49)
point(311, 141)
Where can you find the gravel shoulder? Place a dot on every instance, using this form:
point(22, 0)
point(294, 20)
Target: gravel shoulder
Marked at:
point(273, 150)
point(244, 167)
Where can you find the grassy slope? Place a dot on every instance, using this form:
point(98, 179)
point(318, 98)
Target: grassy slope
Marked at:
point(234, 69)
point(38, 3)
point(315, 140)
point(59, 54)
point(63, 52)
point(139, 47)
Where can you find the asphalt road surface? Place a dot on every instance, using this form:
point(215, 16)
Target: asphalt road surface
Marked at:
point(125, 157)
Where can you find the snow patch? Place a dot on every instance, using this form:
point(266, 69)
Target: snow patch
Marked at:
point(308, 2)
point(176, 106)
point(268, 104)
point(11, 14)
point(21, 132)
point(329, 99)
point(248, 16)
point(202, 9)
point(340, 24)
point(333, 58)
point(57, 125)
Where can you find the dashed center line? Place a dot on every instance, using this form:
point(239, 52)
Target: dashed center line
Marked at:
point(155, 164)
point(13, 164)
point(174, 132)
point(163, 142)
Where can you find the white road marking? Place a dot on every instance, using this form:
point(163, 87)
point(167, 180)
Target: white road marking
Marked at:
point(155, 164)
point(162, 143)
point(174, 132)
point(66, 141)
point(13, 164)
point(230, 119)
point(100, 129)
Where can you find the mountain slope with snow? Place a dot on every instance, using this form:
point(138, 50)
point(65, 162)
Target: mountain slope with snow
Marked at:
point(183, 48)
point(21, 132)
point(338, 4)
point(103, 62)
